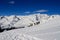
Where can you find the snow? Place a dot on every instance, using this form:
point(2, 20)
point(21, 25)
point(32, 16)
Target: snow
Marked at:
point(48, 29)
point(20, 21)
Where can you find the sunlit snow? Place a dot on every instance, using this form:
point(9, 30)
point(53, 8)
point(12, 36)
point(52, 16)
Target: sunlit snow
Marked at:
point(30, 27)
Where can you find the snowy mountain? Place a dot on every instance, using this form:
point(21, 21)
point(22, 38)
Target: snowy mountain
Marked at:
point(30, 27)
point(22, 21)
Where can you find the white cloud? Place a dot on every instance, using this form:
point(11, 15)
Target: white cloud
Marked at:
point(27, 12)
point(41, 11)
point(12, 2)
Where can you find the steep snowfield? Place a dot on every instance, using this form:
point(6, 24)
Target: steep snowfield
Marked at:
point(47, 29)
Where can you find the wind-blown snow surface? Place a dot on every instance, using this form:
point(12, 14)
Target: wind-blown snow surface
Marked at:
point(47, 29)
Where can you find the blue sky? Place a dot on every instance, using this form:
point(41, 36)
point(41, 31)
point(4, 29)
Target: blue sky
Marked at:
point(23, 7)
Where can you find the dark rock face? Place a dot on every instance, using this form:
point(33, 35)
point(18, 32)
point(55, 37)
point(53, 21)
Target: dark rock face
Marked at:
point(37, 23)
point(1, 30)
point(7, 29)
point(2, 17)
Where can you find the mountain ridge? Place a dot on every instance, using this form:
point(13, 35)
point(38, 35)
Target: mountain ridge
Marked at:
point(13, 21)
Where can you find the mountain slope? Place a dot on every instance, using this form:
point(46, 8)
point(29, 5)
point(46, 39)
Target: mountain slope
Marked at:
point(47, 29)
point(14, 21)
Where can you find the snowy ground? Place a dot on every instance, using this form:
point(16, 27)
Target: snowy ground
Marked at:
point(49, 30)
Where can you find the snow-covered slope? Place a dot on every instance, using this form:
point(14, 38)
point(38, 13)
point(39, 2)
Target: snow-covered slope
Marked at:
point(47, 29)
point(22, 21)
